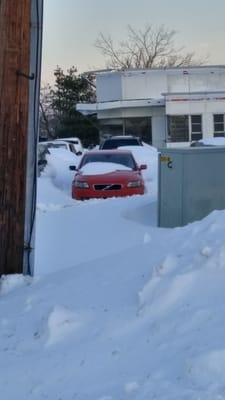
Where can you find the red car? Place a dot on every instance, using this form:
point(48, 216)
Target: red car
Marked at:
point(107, 173)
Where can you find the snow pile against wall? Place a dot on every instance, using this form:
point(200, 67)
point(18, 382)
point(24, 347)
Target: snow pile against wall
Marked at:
point(146, 322)
point(214, 141)
point(147, 155)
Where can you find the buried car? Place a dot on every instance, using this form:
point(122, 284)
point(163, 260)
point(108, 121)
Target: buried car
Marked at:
point(107, 173)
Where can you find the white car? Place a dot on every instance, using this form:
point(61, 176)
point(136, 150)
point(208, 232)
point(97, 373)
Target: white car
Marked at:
point(61, 144)
point(75, 141)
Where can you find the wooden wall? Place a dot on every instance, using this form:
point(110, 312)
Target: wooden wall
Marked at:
point(14, 92)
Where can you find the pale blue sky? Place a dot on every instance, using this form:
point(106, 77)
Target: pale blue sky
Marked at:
point(72, 26)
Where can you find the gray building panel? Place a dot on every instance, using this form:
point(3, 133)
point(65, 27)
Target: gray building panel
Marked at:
point(109, 87)
point(191, 184)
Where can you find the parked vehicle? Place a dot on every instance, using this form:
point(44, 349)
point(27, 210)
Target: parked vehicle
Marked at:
point(42, 152)
point(107, 173)
point(76, 142)
point(209, 142)
point(60, 144)
point(118, 141)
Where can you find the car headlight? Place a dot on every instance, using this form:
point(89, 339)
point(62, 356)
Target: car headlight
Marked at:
point(134, 184)
point(81, 184)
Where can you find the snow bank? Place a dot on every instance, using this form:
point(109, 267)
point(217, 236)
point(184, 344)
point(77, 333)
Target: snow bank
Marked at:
point(214, 141)
point(62, 323)
point(122, 309)
point(160, 302)
point(146, 322)
point(58, 170)
point(50, 197)
point(147, 155)
point(10, 282)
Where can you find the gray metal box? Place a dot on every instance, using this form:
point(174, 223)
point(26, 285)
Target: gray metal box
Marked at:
point(191, 184)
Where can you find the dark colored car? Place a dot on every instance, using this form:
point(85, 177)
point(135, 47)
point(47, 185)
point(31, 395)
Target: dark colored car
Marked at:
point(42, 152)
point(200, 144)
point(107, 173)
point(118, 141)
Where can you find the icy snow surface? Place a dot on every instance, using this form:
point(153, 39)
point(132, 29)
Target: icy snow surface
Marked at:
point(214, 141)
point(118, 309)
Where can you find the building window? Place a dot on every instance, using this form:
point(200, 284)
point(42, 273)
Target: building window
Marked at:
point(178, 130)
point(109, 127)
point(196, 127)
point(218, 120)
point(140, 127)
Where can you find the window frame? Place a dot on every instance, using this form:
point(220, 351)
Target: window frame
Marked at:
point(178, 139)
point(195, 135)
point(219, 133)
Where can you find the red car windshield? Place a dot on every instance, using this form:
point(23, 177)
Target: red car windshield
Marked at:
point(125, 159)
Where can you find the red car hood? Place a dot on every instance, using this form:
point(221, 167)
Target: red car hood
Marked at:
point(110, 177)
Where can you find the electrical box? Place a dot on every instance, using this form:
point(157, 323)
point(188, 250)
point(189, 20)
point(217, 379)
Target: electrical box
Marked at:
point(191, 184)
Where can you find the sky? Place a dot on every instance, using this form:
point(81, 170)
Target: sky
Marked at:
point(71, 28)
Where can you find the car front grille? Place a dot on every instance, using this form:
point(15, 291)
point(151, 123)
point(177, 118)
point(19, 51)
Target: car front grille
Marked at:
point(109, 186)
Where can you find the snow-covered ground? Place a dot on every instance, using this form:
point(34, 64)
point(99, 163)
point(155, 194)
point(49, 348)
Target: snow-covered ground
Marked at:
point(118, 308)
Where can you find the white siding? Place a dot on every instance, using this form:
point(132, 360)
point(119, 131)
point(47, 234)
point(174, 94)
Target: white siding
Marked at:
point(109, 87)
point(159, 131)
point(143, 84)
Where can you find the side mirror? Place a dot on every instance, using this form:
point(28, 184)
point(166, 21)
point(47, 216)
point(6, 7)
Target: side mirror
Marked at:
point(143, 166)
point(73, 168)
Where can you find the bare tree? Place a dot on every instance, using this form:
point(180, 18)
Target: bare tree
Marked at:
point(47, 118)
point(147, 48)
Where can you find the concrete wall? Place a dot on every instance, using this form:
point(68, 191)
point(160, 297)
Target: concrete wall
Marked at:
point(196, 80)
point(131, 112)
point(205, 107)
point(109, 86)
point(159, 130)
point(189, 91)
point(145, 84)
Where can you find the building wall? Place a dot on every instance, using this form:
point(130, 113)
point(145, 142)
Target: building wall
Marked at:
point(132, 112)
point(145, 84)
point(205, 79)
point(206, 107)
point(159, 130)
point(184, 91)
point(109, 87)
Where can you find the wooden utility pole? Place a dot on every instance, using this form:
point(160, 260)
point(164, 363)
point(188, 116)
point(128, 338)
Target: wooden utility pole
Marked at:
point(19, 92)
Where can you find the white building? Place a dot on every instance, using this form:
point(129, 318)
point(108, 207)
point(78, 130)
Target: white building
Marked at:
point(163, 106)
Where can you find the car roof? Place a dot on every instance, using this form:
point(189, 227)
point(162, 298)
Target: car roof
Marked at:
point(54, 142)
point(110, 151)
point(122, 137)
point(68, 139)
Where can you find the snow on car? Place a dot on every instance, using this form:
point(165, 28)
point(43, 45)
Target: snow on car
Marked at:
point(212, 141)
point(74, 141)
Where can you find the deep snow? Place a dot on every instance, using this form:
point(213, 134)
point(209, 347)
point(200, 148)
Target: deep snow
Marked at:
point(118, 308)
